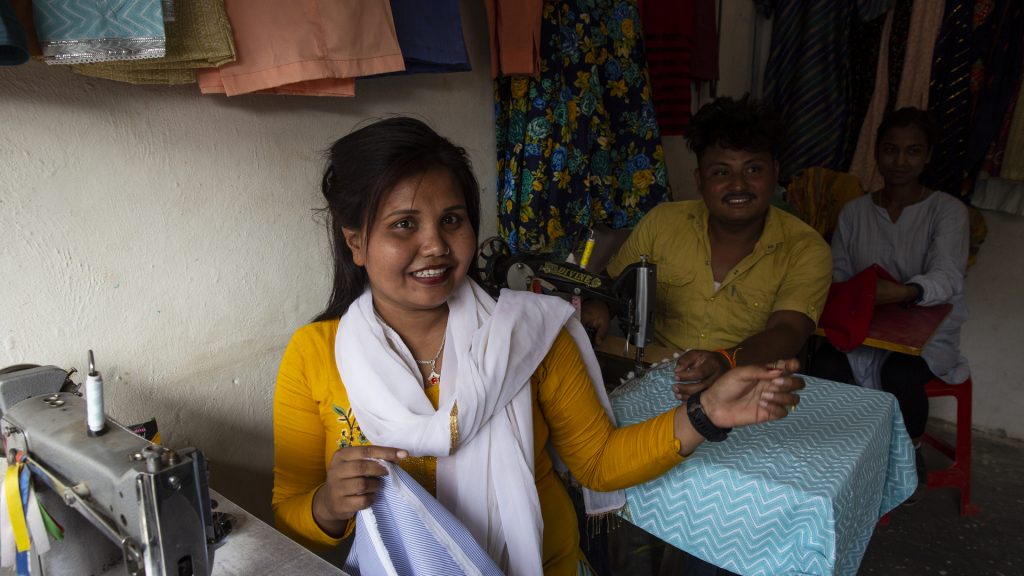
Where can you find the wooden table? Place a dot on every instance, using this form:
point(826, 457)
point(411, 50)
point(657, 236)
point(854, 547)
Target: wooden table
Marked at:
point(901, 329)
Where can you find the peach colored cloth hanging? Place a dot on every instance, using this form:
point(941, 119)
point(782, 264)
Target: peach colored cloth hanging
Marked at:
point(925, 20)
point(514, 27)
point(863, 164)
point(313, 47)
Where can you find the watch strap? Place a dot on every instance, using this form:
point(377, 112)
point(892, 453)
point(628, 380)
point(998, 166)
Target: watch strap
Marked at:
point(700, 421)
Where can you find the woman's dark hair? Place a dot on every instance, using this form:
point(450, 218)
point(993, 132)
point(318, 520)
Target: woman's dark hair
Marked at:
point(362, 169)
point(908, 116)
point(744, 124)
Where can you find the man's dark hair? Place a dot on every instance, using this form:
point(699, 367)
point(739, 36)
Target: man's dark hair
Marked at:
point(744, 124)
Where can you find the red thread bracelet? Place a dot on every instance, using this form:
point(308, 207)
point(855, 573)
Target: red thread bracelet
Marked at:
point(728, 357)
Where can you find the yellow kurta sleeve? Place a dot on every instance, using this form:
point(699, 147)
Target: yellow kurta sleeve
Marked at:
point(300, 437)
point(599, 455)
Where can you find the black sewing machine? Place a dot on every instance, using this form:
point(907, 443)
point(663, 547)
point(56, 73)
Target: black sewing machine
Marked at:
point(631, 295)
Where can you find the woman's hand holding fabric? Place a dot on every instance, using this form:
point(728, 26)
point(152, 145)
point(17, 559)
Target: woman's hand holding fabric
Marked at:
point(352, 484)
point(752, 394)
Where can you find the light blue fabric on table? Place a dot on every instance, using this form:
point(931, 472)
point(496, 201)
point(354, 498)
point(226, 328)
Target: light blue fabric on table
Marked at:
point(420, 535)
point(13, 43)
point(82, 31)
point(801, 495)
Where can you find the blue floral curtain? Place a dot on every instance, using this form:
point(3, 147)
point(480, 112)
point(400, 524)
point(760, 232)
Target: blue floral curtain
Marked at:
point(578, 144)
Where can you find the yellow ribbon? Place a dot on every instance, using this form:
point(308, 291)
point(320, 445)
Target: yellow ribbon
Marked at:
point(14, 508)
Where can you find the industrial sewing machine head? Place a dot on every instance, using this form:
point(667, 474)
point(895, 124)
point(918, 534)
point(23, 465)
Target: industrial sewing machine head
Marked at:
point(119, 498)
point(631, 294)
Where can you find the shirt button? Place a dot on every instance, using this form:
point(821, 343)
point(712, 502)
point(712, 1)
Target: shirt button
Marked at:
point(712, 299)
point(701, 334)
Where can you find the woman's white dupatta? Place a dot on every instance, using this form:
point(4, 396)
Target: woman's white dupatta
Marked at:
point(491, 350)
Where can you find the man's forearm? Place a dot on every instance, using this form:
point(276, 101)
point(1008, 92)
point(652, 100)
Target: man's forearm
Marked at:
point(773, 344)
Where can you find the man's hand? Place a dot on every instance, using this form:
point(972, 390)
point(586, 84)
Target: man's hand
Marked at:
point(594, 314)
point(696, 370)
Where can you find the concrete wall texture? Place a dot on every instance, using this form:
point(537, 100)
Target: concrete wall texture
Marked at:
point(175, 235)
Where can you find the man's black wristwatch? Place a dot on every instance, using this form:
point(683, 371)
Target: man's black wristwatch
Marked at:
point(701, 423)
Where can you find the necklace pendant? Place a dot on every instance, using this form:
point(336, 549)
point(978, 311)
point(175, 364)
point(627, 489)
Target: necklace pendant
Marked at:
point(434, 379)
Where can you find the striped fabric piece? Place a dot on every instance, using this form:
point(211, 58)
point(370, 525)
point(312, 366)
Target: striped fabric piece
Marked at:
point(807, 81)
point(406, 532)
point(949, 98)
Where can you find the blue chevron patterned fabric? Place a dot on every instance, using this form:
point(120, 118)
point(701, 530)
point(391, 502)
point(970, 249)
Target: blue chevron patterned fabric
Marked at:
point(799, 495)
point(82, 31)
point(406, 532)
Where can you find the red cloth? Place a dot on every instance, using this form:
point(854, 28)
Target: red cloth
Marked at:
point(668, 42)
point(850, 307)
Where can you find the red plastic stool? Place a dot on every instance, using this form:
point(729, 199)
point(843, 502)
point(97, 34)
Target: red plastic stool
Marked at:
point(958, 475)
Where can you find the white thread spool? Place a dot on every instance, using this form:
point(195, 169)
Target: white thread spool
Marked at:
point(95, 418)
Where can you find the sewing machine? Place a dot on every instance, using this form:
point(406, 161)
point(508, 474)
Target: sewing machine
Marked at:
point(120, 498)
point(631, 294)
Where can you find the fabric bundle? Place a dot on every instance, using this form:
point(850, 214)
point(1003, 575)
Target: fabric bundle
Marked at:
point(198, 36)
point(13, 40)
point(310, 47)
point(82, 31)
point(430, 36)
point(850, 307)
point(819, 194)
point(515, 36)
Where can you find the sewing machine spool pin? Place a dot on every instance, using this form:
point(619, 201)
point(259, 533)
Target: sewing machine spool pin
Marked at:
point(96, 420)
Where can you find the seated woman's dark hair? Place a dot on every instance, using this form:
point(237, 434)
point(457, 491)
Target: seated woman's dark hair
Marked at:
point(363, 167)
point(908, 116)
point(744, 124)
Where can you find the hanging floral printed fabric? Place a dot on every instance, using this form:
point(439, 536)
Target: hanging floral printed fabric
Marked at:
point(578, 144)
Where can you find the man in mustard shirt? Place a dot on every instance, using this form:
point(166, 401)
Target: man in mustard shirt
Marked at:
point(739, 281)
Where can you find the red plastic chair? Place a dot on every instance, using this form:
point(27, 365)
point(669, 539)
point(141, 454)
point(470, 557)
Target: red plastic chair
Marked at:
point(958, 475)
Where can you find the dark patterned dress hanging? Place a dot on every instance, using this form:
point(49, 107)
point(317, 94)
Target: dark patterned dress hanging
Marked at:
point(578, 144)
point(807, 78)
point(949, 98)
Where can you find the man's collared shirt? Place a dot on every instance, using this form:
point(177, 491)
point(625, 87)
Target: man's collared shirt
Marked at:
point(790, 268)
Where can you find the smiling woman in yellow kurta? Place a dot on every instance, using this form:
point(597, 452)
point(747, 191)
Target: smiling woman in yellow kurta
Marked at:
point(404, 212)
point(566, 411)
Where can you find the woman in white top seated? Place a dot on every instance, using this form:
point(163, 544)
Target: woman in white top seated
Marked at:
point(920, 236)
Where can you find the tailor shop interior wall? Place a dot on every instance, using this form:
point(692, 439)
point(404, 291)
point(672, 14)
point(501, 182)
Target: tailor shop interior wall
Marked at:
point(172, 233)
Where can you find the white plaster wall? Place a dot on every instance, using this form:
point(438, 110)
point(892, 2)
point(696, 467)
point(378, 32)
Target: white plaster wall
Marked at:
point(173, 234)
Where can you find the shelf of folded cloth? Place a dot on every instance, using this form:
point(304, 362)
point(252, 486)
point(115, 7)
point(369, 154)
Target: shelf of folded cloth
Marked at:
point(797, 495)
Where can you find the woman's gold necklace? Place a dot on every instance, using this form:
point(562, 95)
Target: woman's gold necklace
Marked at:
point(434, 378)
